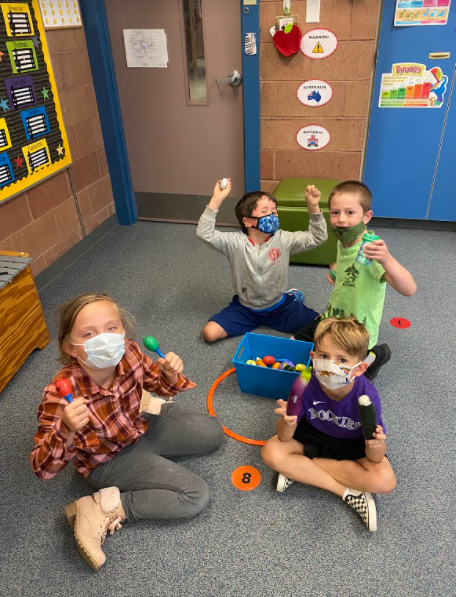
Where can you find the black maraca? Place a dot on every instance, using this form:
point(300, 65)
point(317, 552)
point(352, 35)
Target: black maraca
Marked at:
point(367, 416)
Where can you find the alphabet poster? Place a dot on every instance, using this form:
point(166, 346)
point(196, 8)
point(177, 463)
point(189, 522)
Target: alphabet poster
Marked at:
point(33, 141)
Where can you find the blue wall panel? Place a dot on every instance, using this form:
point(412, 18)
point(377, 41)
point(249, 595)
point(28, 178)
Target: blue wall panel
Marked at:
point(403, 143)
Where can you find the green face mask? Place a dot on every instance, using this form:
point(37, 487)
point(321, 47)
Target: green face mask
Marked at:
point(348, 235)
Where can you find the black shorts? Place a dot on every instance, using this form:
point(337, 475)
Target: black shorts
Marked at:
point(319, 445)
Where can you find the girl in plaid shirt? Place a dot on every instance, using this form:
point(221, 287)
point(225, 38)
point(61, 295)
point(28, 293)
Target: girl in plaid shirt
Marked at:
point(121, 452)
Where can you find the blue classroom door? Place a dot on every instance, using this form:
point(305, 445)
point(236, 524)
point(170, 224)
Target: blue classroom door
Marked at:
point(442, 205)
point(403, 142)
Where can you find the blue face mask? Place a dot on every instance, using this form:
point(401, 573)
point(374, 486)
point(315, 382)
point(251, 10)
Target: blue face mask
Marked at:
point(268, 224)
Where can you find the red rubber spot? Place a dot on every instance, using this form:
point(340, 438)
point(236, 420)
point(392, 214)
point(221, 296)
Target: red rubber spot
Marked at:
point(400, 322)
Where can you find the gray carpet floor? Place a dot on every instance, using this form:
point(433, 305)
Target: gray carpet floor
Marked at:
point(258, 543)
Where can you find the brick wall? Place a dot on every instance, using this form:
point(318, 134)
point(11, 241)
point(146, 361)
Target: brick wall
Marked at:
point(43, 221)
point(348, 71)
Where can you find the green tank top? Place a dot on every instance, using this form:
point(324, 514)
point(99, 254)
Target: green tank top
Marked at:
point(359, 291)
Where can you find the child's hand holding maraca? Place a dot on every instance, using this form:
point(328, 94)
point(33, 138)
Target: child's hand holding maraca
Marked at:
point(376, 447)
point(282, 411)
point(170, 366)
point(377, 250)
point(378, 440)
point(76, 415)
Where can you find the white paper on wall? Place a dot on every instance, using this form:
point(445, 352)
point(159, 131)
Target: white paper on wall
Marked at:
point(146, 48)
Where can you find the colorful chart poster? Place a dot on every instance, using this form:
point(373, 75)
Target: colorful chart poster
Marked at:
point(410, 85)
point(421, 12)
point(313, 137)
point(33, 141)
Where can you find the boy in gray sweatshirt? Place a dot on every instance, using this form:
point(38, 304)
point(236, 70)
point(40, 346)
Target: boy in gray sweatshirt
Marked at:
point(259, 257)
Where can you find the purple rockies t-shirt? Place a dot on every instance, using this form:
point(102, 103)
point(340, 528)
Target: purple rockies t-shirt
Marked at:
point(338, 418)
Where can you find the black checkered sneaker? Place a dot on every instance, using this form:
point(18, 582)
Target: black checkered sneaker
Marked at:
point(363, 503)
point(283, 483)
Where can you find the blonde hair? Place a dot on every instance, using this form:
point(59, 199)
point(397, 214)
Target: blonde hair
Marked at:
point(69, 311)
point(354, 187)
point(346, 333)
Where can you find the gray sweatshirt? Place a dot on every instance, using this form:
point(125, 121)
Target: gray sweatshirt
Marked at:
point(259, 273)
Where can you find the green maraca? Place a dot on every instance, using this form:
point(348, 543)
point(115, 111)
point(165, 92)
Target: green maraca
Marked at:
point(151, 343)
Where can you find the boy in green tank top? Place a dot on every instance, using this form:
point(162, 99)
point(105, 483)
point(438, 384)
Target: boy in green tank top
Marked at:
point(359, 288)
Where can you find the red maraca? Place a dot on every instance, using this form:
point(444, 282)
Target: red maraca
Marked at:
point(64, 389)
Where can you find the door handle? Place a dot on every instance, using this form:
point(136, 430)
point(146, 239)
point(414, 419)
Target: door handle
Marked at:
point(234, 79)
point(439, 55)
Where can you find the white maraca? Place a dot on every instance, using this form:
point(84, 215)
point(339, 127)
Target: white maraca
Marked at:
point(223, 183)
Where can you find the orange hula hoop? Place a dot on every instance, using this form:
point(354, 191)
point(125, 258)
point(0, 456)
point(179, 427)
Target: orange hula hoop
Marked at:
point(210, 408)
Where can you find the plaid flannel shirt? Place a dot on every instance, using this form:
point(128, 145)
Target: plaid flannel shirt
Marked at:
point(115, 418)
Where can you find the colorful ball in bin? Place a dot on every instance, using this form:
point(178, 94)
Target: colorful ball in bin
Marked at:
point(276, 365)
point(260, 362)
point(289, 363)
point(250, 362)
point(268, 360)
point(289, 368)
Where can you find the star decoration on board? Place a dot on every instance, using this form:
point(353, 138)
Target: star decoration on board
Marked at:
point(45, 93)
point(19, 161)
point(4, 105)
point(36, 42)
point(60, 150)
point(1, 55)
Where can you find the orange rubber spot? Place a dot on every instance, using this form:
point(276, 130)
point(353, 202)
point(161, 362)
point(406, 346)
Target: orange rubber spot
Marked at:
point(239, 438)
point(246, 478)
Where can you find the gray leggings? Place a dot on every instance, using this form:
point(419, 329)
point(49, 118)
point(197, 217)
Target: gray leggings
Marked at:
point(151, 486)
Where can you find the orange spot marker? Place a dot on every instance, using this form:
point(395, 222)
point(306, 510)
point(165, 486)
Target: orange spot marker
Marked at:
point(246, 478)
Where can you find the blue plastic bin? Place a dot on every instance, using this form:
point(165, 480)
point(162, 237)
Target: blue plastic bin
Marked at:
point(271, 383)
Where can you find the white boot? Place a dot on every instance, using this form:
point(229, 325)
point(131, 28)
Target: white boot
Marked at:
point(91, 518)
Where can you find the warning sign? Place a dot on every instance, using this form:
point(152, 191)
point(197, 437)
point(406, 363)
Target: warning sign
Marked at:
point(319, 43)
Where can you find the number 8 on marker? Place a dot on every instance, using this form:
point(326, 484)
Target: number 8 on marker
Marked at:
point(246, 478)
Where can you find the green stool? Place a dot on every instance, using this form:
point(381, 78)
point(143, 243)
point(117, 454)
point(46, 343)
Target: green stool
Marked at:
point(293, 214)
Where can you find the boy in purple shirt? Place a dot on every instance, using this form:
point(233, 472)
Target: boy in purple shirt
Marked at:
point(325, 446)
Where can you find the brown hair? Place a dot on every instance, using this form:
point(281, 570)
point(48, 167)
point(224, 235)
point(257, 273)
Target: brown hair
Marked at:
point(68, 312)
point(354, 187)
point(247, 204)
point(346, 333)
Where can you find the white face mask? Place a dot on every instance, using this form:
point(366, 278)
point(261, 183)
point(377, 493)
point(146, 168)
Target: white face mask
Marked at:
point(103, 351)
point(332, 375)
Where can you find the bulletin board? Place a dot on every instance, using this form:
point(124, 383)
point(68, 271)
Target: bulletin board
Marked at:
point(33, 141)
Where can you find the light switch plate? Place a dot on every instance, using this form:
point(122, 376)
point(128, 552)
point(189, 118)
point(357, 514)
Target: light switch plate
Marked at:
point(313, 11)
